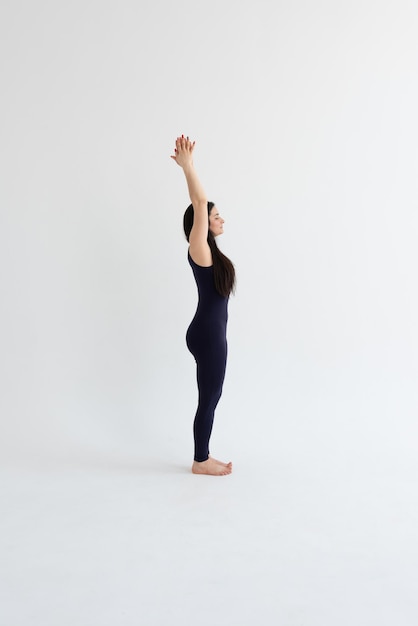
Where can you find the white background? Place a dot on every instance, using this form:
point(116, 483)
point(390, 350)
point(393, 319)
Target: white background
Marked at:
point(305, 119)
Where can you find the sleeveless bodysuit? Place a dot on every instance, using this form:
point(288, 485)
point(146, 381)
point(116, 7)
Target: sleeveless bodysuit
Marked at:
point(206, 340)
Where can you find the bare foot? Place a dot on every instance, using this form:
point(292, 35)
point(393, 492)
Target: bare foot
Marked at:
point(221, 462)
point(211, 467)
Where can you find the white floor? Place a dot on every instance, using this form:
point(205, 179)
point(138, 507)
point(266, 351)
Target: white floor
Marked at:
point(315, 535)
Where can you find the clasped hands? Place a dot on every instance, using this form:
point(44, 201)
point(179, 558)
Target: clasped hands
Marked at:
point(183, 151)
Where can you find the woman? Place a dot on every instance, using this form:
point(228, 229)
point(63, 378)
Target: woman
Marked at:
point(206, 335)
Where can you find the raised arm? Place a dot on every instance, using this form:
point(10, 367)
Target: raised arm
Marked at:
point(199, 247)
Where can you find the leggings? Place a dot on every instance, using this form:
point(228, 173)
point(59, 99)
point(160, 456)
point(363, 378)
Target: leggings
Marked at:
point(210, 353)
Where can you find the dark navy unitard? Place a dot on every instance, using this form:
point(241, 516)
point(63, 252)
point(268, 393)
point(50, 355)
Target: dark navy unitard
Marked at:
point(206, 340)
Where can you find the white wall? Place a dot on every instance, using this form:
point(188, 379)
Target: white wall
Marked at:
point(305, 119)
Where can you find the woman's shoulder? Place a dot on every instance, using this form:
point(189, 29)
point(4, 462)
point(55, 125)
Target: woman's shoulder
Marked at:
point(200, 256)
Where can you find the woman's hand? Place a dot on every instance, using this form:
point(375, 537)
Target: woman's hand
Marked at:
point(183, 151)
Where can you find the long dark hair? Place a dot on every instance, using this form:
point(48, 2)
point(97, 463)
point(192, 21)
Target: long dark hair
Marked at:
point(223, 269)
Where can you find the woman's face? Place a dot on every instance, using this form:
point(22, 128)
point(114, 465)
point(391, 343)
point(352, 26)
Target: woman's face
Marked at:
point(216, 223)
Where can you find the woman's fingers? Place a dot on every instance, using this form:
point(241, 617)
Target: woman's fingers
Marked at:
point(183, 144)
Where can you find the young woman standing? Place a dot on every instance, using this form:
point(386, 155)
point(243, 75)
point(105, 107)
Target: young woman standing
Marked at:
point(206, 335)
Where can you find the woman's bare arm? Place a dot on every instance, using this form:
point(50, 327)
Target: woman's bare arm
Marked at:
point(199, 248)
